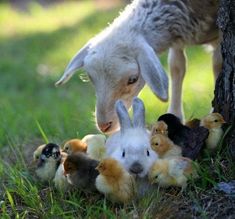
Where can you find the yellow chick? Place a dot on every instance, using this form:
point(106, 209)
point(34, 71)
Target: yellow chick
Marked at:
point(164, 147)
point(37, 153)
point(171, 172)
point(95, 146)
point(160, 127)
point(75, 145)
point(213, 122)
point(115, 182)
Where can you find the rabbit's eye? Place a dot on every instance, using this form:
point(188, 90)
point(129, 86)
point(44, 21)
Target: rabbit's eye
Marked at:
point(123, 154)
point(148, 153)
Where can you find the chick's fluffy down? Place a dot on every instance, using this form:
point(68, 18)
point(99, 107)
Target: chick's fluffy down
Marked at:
point(60, 181)
point(115, 182)
point(171, 172)
point(95, 146)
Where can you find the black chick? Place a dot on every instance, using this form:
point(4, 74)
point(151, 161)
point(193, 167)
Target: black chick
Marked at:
point(48, 162)
point(80, 171)
point(190, 139)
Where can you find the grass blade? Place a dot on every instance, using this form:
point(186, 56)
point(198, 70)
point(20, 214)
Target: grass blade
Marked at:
point(42, 132)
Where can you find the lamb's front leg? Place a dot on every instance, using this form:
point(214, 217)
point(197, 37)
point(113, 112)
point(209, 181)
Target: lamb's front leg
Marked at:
point(177, 64)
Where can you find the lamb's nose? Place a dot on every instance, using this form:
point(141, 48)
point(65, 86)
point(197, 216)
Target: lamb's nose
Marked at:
point(104, 127)
point(136, 168)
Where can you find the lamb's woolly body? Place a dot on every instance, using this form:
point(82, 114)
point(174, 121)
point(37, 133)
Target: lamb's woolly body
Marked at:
point(163, 23)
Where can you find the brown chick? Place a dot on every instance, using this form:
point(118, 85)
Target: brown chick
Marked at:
point(75, 145)
point(171, 172)
point(115, 182)
point(164, 147)
point(160, 127)
point(213, 122)
point(81, 171)
point(194, 123)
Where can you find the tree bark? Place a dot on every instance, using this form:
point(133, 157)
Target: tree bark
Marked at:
point(224, 100)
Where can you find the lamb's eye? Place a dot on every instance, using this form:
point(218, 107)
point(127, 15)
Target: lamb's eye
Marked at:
point(123, 154)
point(148, 153)
point(216, 120)
point(132, 79)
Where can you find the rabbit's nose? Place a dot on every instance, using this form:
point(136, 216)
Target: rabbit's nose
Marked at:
point(136, 168)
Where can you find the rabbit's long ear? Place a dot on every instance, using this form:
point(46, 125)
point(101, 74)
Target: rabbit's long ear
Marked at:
point(138, 113)
point(123, 115)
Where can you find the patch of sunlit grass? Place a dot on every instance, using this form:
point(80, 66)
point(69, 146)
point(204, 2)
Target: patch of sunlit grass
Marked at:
point(38, 19)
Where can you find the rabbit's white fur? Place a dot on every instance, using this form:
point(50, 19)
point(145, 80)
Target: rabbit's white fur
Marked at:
point(132, 141)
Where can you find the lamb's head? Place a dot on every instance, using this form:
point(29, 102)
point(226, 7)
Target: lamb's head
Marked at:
point(118, 70)
point(134, 151)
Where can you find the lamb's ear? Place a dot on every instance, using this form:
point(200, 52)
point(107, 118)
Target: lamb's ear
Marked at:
point(138, 113)
point(74, 65)
point(152, 70)
point(123, 115)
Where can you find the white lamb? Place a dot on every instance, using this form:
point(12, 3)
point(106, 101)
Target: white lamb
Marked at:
point(122, 58)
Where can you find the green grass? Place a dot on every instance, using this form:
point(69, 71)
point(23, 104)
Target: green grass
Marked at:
point(35, 47)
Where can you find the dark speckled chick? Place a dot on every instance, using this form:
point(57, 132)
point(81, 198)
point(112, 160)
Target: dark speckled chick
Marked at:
point(48, 162)
point(80, 171)
point(191, 140)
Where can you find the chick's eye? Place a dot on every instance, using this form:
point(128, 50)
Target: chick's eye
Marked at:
point(123, 154)
point(148, 153)
point(132, 79)
point(156, 144)
point(216, 120)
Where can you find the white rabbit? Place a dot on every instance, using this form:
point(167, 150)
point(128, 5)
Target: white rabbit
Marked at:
point(131, 145)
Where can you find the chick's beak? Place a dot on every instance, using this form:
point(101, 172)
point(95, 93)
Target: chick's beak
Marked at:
point(223, 121)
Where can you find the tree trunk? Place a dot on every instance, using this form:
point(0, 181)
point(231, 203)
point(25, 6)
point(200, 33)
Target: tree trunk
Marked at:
point(224, 100)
